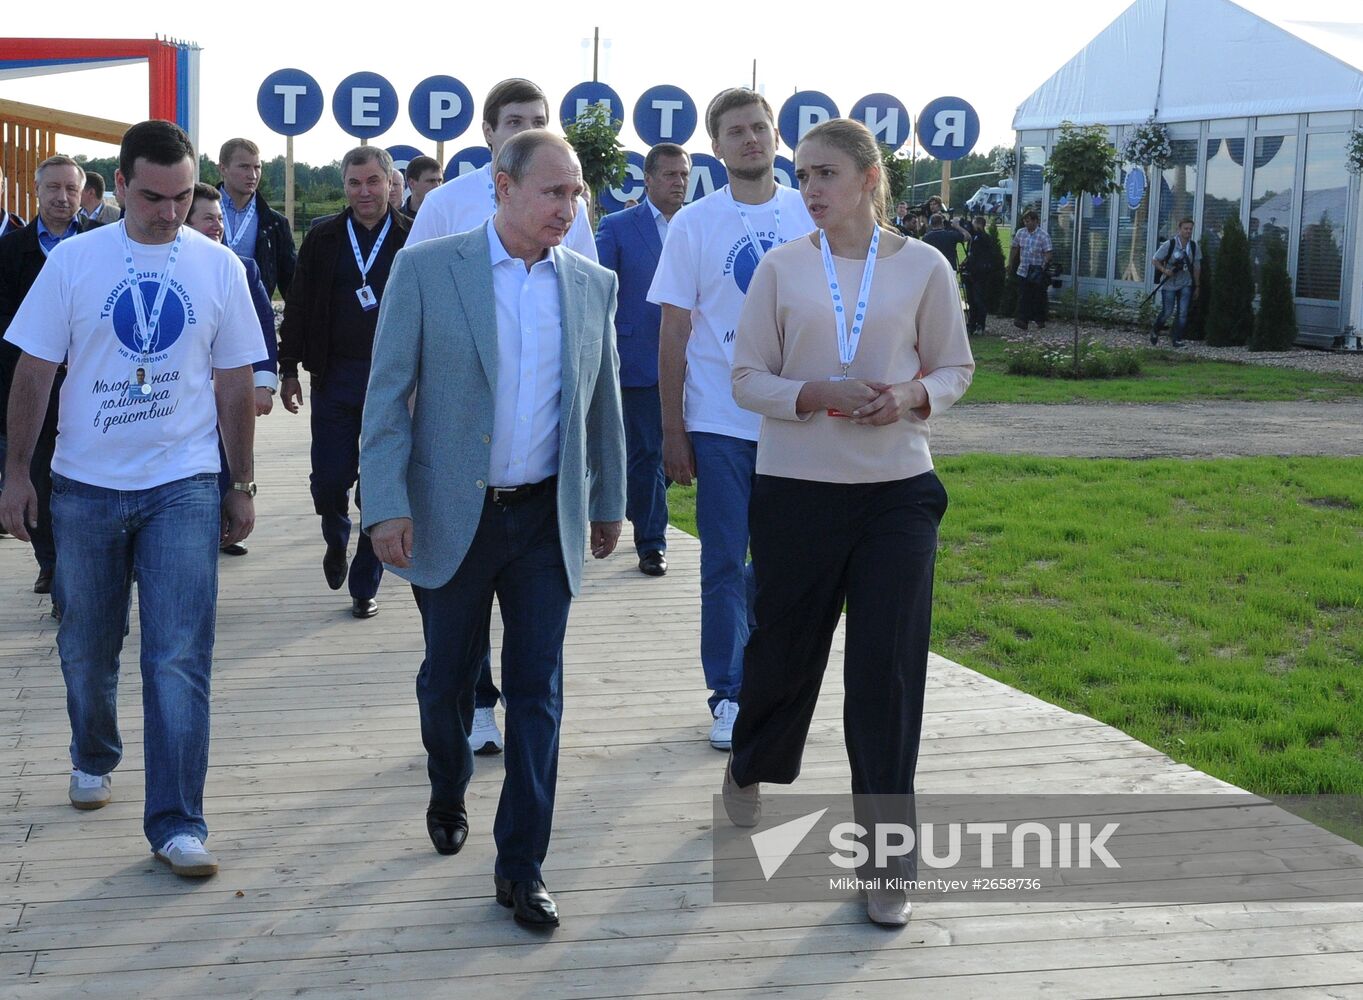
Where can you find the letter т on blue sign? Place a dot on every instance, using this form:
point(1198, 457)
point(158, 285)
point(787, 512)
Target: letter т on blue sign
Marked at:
point(290, 102)
point(948, 128)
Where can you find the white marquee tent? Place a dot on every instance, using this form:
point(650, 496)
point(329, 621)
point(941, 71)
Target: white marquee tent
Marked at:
point(1225, 80)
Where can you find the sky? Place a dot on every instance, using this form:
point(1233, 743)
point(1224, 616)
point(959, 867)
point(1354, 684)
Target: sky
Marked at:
point(986, 54)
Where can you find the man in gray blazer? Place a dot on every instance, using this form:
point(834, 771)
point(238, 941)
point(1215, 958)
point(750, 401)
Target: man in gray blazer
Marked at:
point(492, 434)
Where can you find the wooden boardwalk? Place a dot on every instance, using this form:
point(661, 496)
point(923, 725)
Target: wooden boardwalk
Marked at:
point(329, 887)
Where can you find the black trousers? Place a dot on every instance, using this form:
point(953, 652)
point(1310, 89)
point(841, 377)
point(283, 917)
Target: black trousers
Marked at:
point(815, 546)
point(1031, 301)
point(975, 297)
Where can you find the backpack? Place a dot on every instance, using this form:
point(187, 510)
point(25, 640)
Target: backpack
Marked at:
point(1192, 253)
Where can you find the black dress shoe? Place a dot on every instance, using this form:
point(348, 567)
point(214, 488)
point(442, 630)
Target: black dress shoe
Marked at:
point(43, 585)
point(529, 902)
point(235, 549)
point(653, 564)
point(334, 566)
point(448, 826)
point(364, 608)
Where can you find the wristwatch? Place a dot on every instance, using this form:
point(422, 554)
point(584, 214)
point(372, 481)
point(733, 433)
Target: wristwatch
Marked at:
point(248, 488)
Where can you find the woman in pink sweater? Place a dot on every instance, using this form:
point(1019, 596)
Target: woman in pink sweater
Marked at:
point(849, 340)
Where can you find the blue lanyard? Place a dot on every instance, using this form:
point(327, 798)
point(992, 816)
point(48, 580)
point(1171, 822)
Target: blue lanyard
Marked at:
point(231, 238)
point(365, 265)
point(747, 226)
point(848, 342)
point(147, 325)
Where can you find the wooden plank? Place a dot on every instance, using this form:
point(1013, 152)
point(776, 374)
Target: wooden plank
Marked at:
point(64, 122)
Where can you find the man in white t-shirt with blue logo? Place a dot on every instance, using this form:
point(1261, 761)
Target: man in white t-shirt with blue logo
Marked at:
point(713, 247)
point(458, 206)
point(158, 332)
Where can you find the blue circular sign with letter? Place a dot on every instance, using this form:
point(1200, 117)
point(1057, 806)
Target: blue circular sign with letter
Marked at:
point(403, 155)
point(886, 117)
point(467, 160)
point(801, 112)
point(948, 128)
point(365, 105)
point(441, 108)
point(785, 173)
point(1135, 188)
point(632, 187)
point(290, 102)
point(665, 114)
point(587, 93)
point(707, 176)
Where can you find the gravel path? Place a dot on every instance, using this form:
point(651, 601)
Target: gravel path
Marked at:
point(1151, 430)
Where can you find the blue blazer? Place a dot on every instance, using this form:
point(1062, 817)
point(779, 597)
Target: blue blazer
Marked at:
point(627, 243)
point(426, 435)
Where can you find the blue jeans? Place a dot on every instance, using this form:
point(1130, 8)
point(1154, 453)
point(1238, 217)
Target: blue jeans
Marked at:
point(646, 496)
point(725, 467)
point(337, 405)
point(166, 537)
point(516, 555)
point(1174, 301)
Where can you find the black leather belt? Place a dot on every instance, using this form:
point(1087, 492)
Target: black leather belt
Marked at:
point(509, 496)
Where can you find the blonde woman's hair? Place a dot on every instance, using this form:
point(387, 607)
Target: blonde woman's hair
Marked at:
point(855, 139)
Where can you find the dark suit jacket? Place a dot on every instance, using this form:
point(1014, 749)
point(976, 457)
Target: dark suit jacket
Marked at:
point(305, 335)
point(265, 313)
point(627, 243)
point(21, 258)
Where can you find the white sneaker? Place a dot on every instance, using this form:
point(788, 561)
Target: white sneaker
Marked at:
point(722, 731)
point(90, 791)
point(186, 855)
point(486, 738)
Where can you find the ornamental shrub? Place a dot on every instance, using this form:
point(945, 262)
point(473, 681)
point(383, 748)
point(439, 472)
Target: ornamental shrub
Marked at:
point(1230, 320)
point(1275, 328)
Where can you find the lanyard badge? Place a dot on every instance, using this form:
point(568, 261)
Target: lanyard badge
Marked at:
point(368, 300)
point(848, 341)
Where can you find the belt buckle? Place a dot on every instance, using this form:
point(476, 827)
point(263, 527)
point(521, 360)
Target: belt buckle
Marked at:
point(500, 492)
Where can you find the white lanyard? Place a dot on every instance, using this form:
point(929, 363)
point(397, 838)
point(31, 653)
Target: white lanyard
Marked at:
point(747, 226)
point(365, 265)
point(147, 325)
point(847, 343)
point(491, 188)
point(4, 223)
point(229, 237)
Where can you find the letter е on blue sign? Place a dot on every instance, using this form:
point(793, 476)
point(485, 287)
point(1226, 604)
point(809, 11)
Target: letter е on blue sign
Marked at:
point(365, 105)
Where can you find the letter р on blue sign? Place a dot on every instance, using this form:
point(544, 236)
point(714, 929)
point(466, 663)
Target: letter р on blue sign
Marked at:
point(365, 105)
point(290, 102)
point(441, 108)
point(577, 99)
point(801, 112)
point(948, 128)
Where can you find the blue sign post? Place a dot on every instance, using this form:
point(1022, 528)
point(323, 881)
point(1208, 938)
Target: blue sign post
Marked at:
point(290, 102)
point(665, 114)
point(948, 128)
point(631, 188)
point(584, 94)
point(801, 112)
point(707, 176)
point(886, 117)
point(365, 105)
point(403, 155)
point(441, 108)
point(467, 160)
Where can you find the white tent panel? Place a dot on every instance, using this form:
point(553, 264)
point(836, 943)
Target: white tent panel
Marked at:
point(1188, 60)
point(1113, 80)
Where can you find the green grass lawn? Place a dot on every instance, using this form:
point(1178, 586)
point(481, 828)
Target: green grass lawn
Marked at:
point(1168, 377)
point(1212, 609)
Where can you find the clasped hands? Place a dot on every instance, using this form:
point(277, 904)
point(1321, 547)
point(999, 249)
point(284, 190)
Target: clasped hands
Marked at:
point(874, 404)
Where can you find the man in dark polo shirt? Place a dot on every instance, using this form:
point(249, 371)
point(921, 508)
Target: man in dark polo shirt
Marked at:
point(330, 315)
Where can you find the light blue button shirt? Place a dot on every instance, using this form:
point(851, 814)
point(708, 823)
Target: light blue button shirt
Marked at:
point(529, 367)
point(49, 240)
point(232, 219)
point(658, 220)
